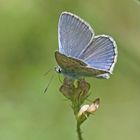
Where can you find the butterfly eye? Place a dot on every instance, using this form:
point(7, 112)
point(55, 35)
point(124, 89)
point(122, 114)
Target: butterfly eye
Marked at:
point(58, 69)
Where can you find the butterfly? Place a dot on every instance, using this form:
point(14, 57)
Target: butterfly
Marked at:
point(81, 53)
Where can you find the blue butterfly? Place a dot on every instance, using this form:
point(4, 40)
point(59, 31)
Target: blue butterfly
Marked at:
point(81, 53)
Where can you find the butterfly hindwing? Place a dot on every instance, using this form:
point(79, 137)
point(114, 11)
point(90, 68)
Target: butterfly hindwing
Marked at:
point(101, 53)
point(76, 68)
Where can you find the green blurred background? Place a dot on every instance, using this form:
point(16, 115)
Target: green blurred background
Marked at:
point(28, 39)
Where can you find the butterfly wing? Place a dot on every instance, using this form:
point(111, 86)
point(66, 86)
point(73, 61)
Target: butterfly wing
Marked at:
point(75, 68)
point(74, 34)
point(101, 54)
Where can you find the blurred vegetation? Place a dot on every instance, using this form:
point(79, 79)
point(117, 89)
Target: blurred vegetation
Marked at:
point(28, 39)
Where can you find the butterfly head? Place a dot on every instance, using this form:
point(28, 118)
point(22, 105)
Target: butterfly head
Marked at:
point(58, 69)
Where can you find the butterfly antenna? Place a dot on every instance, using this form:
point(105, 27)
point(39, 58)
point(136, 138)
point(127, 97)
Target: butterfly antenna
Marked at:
point(46, 73)
point(48, 84)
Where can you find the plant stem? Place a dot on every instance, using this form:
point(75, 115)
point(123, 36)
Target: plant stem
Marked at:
point(79, 131)
point(76, 92)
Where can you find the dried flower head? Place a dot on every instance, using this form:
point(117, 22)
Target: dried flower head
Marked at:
point(88, 109)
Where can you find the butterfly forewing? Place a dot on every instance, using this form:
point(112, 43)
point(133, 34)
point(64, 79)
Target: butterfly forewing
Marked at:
point(74, 34)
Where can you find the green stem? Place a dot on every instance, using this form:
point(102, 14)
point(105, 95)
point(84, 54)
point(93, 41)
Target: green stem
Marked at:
point(79, 131)
point(77, 93)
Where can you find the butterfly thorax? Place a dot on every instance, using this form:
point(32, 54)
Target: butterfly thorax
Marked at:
point(72, 74)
